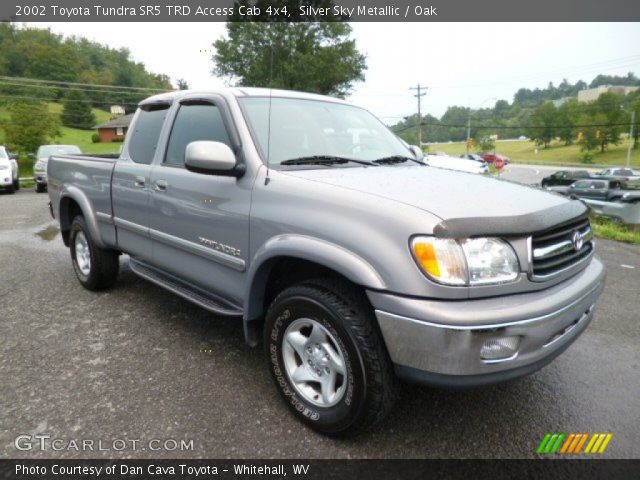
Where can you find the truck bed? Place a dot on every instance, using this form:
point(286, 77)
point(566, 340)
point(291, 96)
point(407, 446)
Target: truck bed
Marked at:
point(90, 176)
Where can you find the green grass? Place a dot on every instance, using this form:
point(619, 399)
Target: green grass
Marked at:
point(69, 136)
point(556, 154)
point(604, 227)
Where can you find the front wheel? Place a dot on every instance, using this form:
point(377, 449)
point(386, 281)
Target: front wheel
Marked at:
point(327, 357)
point(40, 188)
point(95, 267)
point(16, 184)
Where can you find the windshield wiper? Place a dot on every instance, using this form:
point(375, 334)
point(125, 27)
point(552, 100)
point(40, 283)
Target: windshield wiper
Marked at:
point(324, 160)
point(396, 159)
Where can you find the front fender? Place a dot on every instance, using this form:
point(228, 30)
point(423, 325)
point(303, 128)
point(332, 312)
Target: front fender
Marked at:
point(72, 193)
point(321, 252)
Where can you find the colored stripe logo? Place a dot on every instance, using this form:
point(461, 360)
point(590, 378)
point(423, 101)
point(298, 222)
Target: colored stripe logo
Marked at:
point(574, 443)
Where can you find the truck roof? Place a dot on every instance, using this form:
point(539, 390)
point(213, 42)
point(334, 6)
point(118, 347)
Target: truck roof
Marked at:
point(240, 92)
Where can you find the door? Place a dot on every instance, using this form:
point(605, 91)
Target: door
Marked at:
point(131, 180)
point(200, 223)
point(597, 191)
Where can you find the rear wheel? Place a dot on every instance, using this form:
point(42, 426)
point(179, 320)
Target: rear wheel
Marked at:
point(327, 357)
point(96, 268)
point(40, 188)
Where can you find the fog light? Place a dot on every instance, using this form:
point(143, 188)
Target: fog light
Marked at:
point(500, 348)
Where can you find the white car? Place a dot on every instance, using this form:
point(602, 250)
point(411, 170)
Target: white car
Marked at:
point(9, 174)
point(455, 163)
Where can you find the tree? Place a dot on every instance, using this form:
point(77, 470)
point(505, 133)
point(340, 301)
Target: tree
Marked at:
point(544, 124)
point(30, 125)
point(609, 106)
point(312, 57)
point(182, 84)
point(76, 111)
point(486, 144)
point(567, 117)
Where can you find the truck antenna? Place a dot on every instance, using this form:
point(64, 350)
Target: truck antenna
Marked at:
point(267, 179)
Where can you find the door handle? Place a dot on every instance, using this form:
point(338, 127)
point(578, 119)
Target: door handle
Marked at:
point(139, 182)
point(161, 186)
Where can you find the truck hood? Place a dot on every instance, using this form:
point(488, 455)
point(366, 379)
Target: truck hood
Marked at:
point(445, 193)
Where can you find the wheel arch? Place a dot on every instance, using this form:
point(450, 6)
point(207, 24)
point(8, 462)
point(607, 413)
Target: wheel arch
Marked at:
point(73, 202)
point(288, 259)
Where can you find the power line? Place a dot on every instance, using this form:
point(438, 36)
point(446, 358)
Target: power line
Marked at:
point(60, 82)
point(54, 87)
point(57, 100)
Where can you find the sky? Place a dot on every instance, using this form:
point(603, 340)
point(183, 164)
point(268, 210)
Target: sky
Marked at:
point(468, 64)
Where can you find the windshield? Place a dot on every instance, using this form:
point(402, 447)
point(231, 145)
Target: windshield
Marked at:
point(306, 128)
point(3, 153)
point(47, 151)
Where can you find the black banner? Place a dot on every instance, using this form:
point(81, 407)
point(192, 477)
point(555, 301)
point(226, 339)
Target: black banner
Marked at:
point(318, 469)
point(320, 10)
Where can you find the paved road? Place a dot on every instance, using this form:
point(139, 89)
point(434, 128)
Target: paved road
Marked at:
point(137, 363)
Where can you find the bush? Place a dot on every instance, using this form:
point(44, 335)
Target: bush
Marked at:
point(117, 140)
point(586, 156)
point(95, 138)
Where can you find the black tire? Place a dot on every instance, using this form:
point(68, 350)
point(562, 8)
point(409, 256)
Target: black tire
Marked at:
point(16, 185)
point(40, 188)
point(544, 184)
point(345, 313)
point(104, 263)
point(11, 189)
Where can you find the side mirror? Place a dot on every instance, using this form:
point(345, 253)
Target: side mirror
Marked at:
point(212, 158)
point(416, 151)
point(13, 156)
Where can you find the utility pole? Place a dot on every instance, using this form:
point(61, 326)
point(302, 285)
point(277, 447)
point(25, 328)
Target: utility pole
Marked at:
point(421, 93)
point(468, 129)
point(633, 120)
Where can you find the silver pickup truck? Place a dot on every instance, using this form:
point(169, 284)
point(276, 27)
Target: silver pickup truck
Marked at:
point(352, 261)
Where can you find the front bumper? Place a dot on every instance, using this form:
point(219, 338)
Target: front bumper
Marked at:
point(40, 178)
point(439, 342)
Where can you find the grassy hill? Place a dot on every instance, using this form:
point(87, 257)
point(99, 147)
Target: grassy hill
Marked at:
point(69, 136)
point(556, 154)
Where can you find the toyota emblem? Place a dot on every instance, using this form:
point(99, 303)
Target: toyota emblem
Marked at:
point(577, 241)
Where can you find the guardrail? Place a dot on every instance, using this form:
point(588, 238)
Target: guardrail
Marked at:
point(628, 213)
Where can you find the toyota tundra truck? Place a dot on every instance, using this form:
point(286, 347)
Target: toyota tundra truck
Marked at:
point(353, 262)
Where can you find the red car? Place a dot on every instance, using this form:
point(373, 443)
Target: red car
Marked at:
point(490, 157)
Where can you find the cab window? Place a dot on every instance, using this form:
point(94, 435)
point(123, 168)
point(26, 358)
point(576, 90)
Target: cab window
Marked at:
point(202, 121)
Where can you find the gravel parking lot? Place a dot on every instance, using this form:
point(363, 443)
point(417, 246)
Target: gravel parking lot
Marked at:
point(139, 363)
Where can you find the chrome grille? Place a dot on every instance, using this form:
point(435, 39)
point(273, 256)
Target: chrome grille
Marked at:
point(554, 251)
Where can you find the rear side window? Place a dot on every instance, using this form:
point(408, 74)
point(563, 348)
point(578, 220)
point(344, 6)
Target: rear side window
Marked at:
point(194, 122)
point(144, 138)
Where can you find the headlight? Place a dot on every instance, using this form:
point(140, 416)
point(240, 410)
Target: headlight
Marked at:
point(475, 261)
point(4, 167)
point(40, 165)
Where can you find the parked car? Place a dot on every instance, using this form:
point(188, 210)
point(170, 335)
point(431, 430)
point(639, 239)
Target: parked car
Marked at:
point(625, 174)
point(564, 177)
point(42, 157)
point(631, 197)
point(349, 259)
point(491, 157)
point(9, 172)
point(456, 163)
point(606, 190)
